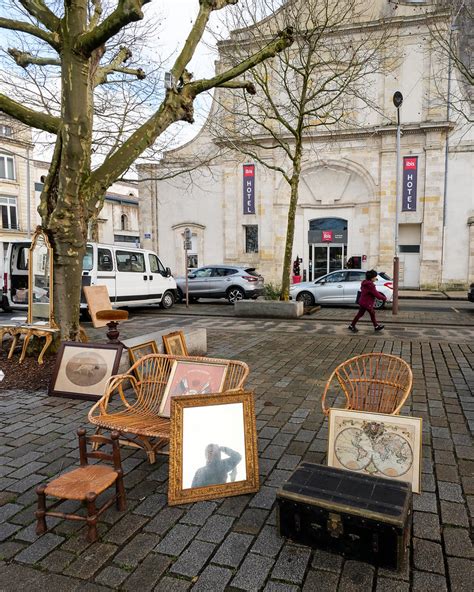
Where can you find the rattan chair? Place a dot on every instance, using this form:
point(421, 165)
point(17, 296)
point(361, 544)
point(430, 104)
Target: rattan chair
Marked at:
point(135, 415)
point(374, 382)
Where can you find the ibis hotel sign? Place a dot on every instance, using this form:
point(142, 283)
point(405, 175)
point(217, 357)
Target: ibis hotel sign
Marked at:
point(410, 174)
point(249, 188)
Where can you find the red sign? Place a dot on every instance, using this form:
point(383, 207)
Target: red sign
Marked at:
point(327, 236)
point(409, 164)
point(249, 188)
point(410, 174)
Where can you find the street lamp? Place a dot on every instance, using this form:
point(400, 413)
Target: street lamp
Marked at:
point(397, 101)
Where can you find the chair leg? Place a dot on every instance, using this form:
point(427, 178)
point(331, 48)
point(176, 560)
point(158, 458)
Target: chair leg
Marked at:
point(41, 526)
point(121, 499)
point(91, 518)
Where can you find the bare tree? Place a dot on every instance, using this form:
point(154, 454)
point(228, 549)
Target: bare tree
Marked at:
point(75, 36)
point(319, 83)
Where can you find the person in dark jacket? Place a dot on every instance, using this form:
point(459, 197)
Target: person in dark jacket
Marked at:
point(366, 302)
point(217, 469)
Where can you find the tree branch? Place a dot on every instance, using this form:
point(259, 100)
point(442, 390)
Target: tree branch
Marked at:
point(122, 56)
point(50, 38)
point(245, 84)
point(39, 10)
point(127, 11)
point(41, 121)
point(24, 59)
point(284, 40)
point(205, 9)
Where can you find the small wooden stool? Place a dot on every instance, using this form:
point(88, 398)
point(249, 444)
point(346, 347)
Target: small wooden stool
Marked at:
point(85, 484)
point(113, 317)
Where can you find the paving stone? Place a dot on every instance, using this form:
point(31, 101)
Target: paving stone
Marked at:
point(89, 563)
point(152, 505)
point(457, 542)
point(9, 510)
point(234, 506)
point(252, 573)
point(136, 550)
point(164, 520)
point(233, 549)
point(426, 526)
point(191, 562)
point(264, 499)
point(447, 473)
point(450, 492)
point(216, 528)
point(199, 513)
point(461, 574)
point(39, 549)
point(428, 556)
point(356, 577)
point(291, 564)
point(251, 521)
point(9, 549)
point(169, 584)
point(57, 561)
point(112, 576)
point(321, 581)
point(388, 585)
point(177, 539)
point(145, 577)
point(269, 542)
point(454, 514)
point(425, 502)
point(125, 529)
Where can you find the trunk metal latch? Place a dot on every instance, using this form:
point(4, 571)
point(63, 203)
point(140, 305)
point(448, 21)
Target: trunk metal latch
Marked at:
point(334, 525)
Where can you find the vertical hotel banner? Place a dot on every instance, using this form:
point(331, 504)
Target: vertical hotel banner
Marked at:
point(410, 174)
point(249, 188)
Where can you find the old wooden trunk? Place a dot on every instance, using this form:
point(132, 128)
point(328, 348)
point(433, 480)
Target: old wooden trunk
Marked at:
point(356, 515)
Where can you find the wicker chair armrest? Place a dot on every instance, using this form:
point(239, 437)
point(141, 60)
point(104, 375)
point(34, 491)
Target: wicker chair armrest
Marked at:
point(326, 389)
point(115, 384)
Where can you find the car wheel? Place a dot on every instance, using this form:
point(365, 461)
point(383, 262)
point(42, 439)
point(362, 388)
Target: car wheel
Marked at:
point(168, 300)
point(235, 294)
point(379, 304)
point(179, 296)
point(306, 298)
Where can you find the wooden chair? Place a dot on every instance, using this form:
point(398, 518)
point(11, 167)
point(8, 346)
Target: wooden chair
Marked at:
point(85, 484)
point(136, 415)
point(374, 382)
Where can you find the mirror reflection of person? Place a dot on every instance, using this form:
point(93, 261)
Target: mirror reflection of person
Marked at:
point(217, 469)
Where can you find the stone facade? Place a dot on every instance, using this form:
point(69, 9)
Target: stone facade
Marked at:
point(348, 175)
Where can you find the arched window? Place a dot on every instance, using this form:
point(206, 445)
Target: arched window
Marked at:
point(123, 222)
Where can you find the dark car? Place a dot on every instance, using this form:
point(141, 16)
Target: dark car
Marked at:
point(233, 282)
point(470, 294)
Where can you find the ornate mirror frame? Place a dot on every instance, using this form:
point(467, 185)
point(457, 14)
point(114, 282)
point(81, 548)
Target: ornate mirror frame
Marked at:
point(38, 237)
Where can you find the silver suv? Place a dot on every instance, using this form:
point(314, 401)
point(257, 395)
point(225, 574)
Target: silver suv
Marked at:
point(233, 282)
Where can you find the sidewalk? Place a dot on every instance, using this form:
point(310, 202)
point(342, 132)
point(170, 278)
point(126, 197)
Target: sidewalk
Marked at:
point(233, 543)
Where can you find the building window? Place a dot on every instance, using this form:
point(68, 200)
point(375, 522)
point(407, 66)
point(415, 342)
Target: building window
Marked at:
point(9, 213)
point(6, 130)
point(122, 238)
point(251, 238)
point(123, 222)
point(7, 167)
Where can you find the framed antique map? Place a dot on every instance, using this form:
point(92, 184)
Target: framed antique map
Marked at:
point(375, 443)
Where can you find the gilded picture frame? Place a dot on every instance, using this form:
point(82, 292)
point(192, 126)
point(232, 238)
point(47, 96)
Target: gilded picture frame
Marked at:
point(213, 447)
point(377, 444)
point(192, 378)
point(135, 352)
point(174, 344)
point(82, 369)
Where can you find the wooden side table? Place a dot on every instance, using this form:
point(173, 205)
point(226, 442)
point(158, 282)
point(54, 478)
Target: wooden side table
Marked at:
point(28, 331)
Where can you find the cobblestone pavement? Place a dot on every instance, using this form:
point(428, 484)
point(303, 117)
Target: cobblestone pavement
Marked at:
point(233, 544)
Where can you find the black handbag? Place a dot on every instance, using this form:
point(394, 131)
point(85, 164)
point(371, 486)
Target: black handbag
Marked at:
point(358, 296)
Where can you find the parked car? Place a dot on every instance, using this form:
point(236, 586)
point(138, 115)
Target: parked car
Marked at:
point(339, 287)
point(470, 294)
point(233, 282)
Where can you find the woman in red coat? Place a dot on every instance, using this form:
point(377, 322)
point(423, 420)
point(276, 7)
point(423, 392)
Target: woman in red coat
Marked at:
point(366, 302)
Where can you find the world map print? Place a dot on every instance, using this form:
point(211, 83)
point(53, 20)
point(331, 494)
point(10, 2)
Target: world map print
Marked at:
point(388, 448)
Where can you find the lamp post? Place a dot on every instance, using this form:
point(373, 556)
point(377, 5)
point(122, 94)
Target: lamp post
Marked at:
point(397, 101)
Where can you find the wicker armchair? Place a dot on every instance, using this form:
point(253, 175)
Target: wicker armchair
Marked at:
point(374, 382)
point(135, 414)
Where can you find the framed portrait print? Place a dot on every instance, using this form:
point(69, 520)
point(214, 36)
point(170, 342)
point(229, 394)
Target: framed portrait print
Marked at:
point(82, 369)
point(213, 447)
point(138, 351)
point(375, 443)
point(175, 344)
point(192, 378)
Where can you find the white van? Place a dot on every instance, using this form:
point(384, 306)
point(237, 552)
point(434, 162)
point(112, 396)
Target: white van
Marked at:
point(134, 277)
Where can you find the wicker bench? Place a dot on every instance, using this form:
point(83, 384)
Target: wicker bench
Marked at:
point(374, 382)
point(135, 414)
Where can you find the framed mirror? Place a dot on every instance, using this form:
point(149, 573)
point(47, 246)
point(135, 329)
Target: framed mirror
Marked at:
point(40, 281)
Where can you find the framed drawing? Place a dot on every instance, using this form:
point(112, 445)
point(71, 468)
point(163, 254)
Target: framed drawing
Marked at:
point(377, 444)
point(213, 447)
point(192, 378)
point(82, 369)
point(138, 351)
point(175, 344)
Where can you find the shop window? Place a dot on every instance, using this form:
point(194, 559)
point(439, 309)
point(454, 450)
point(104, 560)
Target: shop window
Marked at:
point(251, 238)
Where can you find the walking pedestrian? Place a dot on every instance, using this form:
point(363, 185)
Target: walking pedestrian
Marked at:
point(368, 295)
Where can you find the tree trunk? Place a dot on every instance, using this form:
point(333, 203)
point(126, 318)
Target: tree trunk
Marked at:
point(290, 227)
